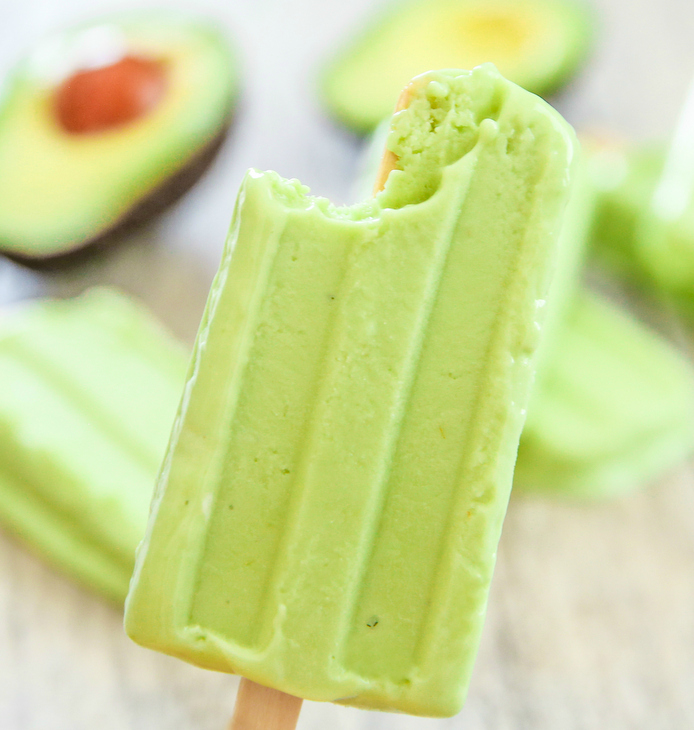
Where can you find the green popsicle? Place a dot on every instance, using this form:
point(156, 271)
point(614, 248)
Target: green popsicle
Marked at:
point(327, 515)
point(90, 388)
point(645, 225)
point(612, 410)
point(612, 406)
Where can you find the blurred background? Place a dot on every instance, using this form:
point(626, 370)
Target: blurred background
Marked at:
point(591, 614)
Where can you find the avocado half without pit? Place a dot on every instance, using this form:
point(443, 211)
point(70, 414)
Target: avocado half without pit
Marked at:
point(107, 124)
point(538, 44)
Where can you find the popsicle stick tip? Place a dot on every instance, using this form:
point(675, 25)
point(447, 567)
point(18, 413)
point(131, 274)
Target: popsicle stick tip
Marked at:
point(389, 161)
point(264, 708)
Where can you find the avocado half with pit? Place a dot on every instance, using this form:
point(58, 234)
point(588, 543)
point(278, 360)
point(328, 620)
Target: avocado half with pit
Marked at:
point(537, 44)
point(107, 124)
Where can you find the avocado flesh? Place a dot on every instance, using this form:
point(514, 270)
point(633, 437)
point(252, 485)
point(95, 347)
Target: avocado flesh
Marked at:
point(90, 391)
point(535, 43)
point(60, 191)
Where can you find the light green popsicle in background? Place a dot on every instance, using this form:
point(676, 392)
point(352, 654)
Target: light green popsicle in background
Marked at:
point(327, 515)
point(644, 226)
point(613, 408)
point(90, 388)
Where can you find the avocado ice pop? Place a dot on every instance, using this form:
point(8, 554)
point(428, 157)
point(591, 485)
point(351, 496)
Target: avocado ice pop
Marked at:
point(625, 178)
point(328, 511)
point(612, 408)
point(90, 387)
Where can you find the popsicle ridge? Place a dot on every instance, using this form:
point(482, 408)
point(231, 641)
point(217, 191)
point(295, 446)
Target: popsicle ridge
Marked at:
point(89, 559)
point(30, 358)
point(327, 517)
point(29, 482)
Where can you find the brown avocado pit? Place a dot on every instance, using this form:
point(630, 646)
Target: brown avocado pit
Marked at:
point(93, 100)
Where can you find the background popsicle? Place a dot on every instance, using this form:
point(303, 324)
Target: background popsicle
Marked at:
point(90, 388)
point(612, 408)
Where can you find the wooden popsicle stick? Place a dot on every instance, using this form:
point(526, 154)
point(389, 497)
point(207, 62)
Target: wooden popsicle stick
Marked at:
point(263, 708)
point(389, 161)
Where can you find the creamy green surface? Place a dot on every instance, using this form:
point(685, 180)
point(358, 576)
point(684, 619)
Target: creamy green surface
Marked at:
point(90, 390)
point(613, 407)
point(59, 190)
point(327, 515)
point(535, 43)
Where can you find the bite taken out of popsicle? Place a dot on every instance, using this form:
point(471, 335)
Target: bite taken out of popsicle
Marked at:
point(328, 512)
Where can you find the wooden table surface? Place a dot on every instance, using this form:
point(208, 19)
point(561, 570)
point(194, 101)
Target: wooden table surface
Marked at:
point(591, 617)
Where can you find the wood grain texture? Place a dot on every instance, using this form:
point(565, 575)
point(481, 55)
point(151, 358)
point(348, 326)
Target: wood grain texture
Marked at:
point(591, 615)
point(263, 708)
